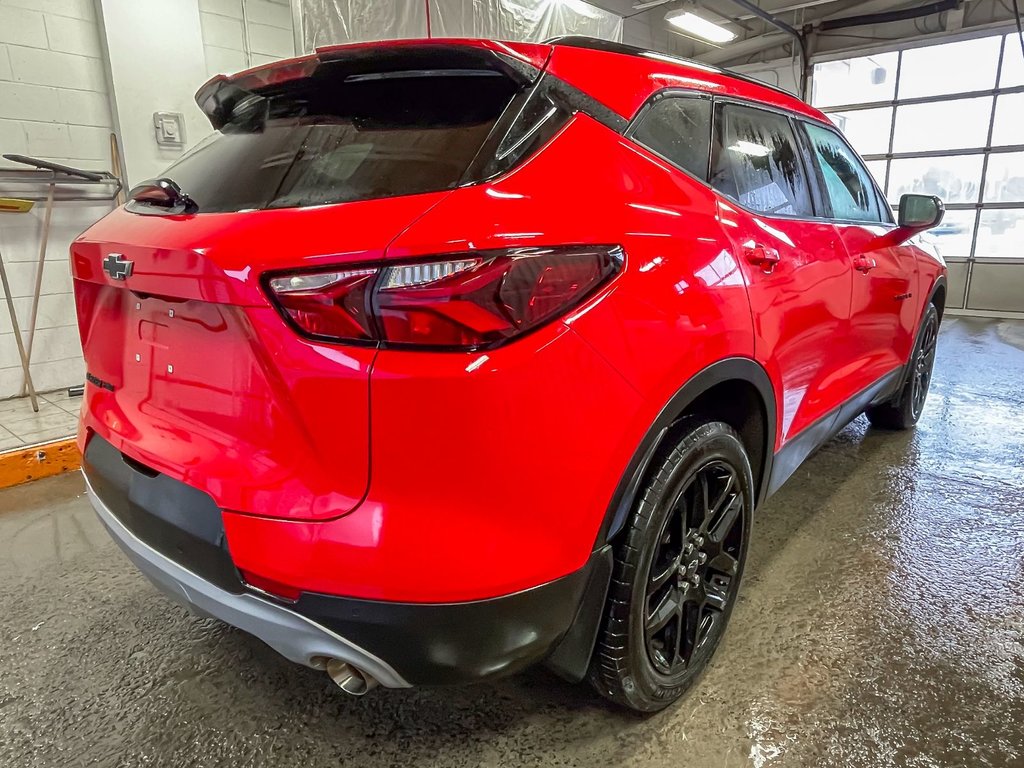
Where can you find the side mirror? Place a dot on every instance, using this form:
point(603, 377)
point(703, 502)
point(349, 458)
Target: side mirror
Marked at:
point(920, 212)
point(917, 213)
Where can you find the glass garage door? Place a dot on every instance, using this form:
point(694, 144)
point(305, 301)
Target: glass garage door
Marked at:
point(946, 119)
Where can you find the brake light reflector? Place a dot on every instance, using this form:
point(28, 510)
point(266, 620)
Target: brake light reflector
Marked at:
point(271, 587)
point(331, 304)
point(454, 303)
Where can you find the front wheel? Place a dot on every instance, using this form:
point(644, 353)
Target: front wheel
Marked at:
point(677, 570)
point(904, 410)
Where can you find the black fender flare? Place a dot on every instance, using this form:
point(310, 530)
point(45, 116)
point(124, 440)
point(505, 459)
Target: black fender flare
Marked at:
point(571, 656)
point(940, 282)
point(729, 369)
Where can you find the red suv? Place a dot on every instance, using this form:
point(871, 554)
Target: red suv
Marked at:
point(442, 358)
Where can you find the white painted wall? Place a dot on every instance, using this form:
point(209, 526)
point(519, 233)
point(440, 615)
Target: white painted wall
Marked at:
point(781, 73)
point(234, 41)
point(53, 105)
point(156, 63)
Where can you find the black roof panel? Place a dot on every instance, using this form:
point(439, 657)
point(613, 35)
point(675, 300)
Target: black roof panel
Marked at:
point(610, 46)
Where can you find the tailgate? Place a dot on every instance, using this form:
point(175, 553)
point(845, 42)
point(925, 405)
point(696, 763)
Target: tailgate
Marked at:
point(193, 373)
point(323, 161)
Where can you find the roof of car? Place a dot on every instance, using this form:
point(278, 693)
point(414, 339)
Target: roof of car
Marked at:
point(659, 70)
point(610, 46)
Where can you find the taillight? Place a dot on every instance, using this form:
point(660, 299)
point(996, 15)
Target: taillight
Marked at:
point(329, 304)
point(467, 301)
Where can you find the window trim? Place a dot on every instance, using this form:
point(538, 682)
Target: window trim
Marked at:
point(812, 190)
point(668, 93)
point(821, 197)
point(818, 201)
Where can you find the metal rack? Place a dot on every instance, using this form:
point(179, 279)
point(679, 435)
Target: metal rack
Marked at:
point(53, 183)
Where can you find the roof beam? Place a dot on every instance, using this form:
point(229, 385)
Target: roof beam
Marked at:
point(745, 48)
point(786, 8)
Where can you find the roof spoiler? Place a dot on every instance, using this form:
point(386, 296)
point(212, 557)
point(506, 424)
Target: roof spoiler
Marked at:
point(223, 97)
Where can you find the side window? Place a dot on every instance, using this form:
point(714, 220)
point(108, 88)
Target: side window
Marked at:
point(755, 161)
point(847, 182)
point(678, 128)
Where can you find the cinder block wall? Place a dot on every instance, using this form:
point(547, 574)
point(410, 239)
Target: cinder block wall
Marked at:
point(53, 105)
point(269, 28)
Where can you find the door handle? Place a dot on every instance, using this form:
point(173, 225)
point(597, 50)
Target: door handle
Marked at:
point(864, 264)
point(762, 256)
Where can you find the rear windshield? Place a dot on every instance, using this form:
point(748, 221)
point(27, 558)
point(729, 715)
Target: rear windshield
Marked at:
point(321, 141)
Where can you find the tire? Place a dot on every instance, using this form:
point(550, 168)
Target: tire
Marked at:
point(904, 410)
point(689, 534)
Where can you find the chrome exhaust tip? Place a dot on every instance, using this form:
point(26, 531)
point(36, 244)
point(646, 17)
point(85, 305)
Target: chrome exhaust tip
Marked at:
point(350, 679)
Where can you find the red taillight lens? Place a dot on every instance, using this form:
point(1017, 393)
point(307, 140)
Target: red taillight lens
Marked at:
point(329, 304)
point(475, 301)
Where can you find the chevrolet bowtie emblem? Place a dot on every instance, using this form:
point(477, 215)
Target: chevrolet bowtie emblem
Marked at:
point(116, 267)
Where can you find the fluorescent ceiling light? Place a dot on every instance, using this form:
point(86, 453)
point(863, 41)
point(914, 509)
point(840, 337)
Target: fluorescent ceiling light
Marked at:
point(699, 27)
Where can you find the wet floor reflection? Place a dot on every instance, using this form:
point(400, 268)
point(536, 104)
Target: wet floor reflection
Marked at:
point(880, 624)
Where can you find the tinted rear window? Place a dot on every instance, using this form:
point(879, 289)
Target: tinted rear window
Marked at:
point(322, 141)
point(679, 129)
point(756, 161)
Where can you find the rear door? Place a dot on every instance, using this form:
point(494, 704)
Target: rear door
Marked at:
point(883, 314)
point(797, 270)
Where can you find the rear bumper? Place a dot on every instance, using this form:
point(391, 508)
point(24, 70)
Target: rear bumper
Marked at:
point(292, 635)
point(173, 534)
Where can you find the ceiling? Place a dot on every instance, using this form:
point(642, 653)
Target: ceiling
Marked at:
point(756, 37)
point(728, 10)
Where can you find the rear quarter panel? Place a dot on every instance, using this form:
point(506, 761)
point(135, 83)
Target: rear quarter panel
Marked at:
point(558, 439)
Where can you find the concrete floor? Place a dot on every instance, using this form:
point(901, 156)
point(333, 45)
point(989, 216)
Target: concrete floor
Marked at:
point(880, 624)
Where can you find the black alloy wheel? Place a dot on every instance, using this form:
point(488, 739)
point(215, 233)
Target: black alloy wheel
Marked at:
point(904, 410)
point(693, 575)
point(924, 362)
point(678, 566)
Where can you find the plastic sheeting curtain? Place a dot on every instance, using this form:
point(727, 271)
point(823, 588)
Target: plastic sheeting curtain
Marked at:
point(532, 20)
point(326, 22)
point(330, 22)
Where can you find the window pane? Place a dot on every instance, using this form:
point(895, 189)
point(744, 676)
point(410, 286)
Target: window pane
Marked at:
point(969, 65)
point(679, 129)
point(1013, 63)
point(877, 169)
point(855, 81)
point(959, 124)
point(847, 184)
point(952, 238)
point(866, 129)
point(1004, 181)
point(330, 140)
point(756, 162)
point(1009, 120)
point(1001, 233)
point(954, 179)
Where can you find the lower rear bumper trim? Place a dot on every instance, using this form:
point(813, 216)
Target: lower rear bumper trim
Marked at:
point(292, 635)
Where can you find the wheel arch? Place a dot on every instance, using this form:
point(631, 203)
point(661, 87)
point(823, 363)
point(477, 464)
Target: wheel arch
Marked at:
point(714, 392)
point(736, 390)
point(937, 296)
